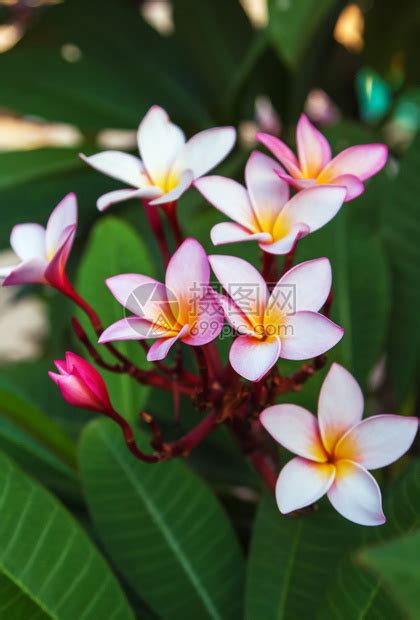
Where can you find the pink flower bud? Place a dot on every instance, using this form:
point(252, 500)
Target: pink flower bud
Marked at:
point(81, 385)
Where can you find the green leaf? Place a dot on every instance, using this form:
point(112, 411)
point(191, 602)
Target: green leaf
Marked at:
point(397, 564)
point(30, 418)
point(47, 555)
point(292, 559)
point(114, 248)
point(292, 25)
point(114, 81)
point(163, 529)
point(15, 604)
point(361, 289)
point(401, 229)
point(357, 593)
point(33, 182)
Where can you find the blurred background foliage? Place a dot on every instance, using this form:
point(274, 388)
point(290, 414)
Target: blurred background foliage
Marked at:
point(173, 538)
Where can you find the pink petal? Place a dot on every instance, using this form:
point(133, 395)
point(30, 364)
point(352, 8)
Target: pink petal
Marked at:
point(159, 143)
point(252, 358)
point(314, 206)
point(378, 441)
point(28, 241)
point(229, 197)
point(362, 161)
point(353, 185)
point(55, 271)
point(243, 284)
point(90, 376)
point(296, 429)
point(187, 277)
point(285, 245)
point(313, 148)
point(267, 192)
point(61, 219)
point(228, 232)
point(28, 272)
point(280, 150)
point(309, 334)
point(132, 328)
point(234, 316)
point(310, 283)
point(160, 349)
point(356, 495)
point(140, 294)
point(297, 183)
point(184, 183)
point(120, 195)
point(75, 392)
point(340, 405)
point(302, 483)
point(205, 150)
point(120, 166)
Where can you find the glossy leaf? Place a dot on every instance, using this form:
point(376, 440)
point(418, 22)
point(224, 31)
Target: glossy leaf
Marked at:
point(401, 228)
point(46, 554)
point(163, 528)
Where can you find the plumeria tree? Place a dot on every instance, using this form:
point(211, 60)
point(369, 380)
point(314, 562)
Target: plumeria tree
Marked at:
point(220, 355)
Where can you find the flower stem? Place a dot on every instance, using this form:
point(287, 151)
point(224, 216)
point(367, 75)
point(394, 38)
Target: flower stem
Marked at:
point(171, 213)
point(153, 217)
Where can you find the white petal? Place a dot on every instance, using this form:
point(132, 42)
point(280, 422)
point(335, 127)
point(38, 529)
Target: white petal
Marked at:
point(160, 349)
point(159, 143)
point(244, 284)
point(252, 358)
point(301, 483)
point(228, 232)
point(306, 287)
point(229, 197)
point(355, 494)
point(28, 272)
point(313, 148)
point(184, 183)
point(205, 150)
point(267, 192)
point(131, 328)
point(296, 429)
point(140, 294)
point(340, 405)
point(120, 195)
point(314, 206)
point(378, 441)
point(61, 219)
point(28, 241)
point(309, 334)
point(121, 166)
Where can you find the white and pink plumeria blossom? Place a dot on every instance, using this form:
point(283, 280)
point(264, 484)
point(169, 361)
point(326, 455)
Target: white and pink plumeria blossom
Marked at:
point(168, 165)
point(315, 166)
point(336, 450)
point(284, 324)
point(185, 308)
point(263, 211)
point(43, 251)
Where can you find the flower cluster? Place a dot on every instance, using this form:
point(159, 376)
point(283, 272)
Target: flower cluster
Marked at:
point(272, 315)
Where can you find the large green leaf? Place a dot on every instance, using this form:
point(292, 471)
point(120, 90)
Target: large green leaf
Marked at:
point(292, 560)
point(397, 563)
point(117, 77)
point(357, 593)
point(48, 557)
point(402, 234)
point(114, 248)
point(163, 528)
point(361, 289)
point(293, 24)
point(15, 604)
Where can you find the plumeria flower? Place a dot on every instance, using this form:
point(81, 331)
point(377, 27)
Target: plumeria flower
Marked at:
point(314, 165)
point(284, 324)
point(263, 211)
point(168, 163)
point(43, 251)
point(336, 450)
point(184, 308)
point(81, 385)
